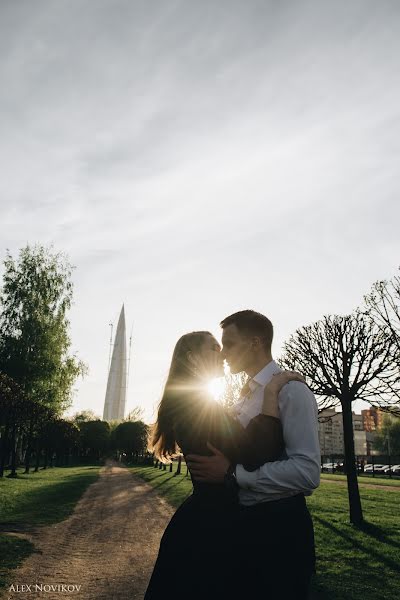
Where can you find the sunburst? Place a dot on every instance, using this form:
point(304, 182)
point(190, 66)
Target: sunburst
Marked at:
point(216, 388)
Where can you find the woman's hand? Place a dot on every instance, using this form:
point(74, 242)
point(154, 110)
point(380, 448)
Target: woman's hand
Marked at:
point(272, 389)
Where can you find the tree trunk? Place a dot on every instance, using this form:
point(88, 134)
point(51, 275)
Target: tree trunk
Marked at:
point(37, 457)
point(13, 453)
point(356, 515)
point(29, 448)
point(179, 469)
point(46, 458)
point(3, 449)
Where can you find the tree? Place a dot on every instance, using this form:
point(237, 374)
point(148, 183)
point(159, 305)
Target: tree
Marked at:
point(65, 439)
point(84, 416)
point(12, 410)
point(34, 328)
point(233, 387)
point(131, 437)
point(383, 305)
point(387, 439)
point(346, 358)
point(135, 414)
point(40, 441)
point(95, 437)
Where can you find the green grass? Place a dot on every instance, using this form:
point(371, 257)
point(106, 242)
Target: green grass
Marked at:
point(352, 564)
point(174, 488)
point(363, 479)
point(12, 551)
point(41, 498)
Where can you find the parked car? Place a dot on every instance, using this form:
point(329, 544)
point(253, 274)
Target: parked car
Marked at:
point(332, 467)
point(328, 467)
point(394, 469)
point(371, 468)
point(387, 470)
point(379, 469)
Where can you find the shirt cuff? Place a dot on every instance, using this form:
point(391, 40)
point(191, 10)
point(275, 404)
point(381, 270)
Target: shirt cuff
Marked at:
point(245, 479)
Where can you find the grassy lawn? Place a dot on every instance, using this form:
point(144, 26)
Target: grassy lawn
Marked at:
point(352, 564)
point(363, 479)
point(41, 498)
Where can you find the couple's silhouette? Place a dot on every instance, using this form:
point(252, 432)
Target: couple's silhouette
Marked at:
point(245, 532)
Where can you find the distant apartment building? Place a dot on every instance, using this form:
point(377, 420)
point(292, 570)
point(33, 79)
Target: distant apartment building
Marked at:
point(372, 419)
point(330, 431)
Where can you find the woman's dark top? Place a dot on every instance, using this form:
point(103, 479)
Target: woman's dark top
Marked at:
point(203, 531)
point(203, 420)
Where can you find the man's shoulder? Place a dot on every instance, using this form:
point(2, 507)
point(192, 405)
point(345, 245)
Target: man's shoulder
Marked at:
point(296, 390)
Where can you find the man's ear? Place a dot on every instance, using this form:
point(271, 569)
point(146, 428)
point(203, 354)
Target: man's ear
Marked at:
point(190, 357)
point(256, 343)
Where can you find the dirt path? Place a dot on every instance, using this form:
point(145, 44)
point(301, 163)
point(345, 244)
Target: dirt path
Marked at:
point(108, 546)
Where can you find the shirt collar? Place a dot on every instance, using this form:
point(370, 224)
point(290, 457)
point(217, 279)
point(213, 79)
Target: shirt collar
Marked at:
point(264, 376)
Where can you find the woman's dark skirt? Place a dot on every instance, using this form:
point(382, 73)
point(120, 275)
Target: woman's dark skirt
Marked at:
point(195, 552)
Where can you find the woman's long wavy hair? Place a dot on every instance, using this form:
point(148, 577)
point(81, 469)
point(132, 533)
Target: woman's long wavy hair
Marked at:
point(179, 388)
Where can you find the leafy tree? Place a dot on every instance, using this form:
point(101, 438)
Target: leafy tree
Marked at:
point(34, 328)
point(94, 437)
point(131, 437)
point(83, 416)
point(12, 410)
point(346, 358)
point(40, 441)
point(36, 415)
point(387, 439)
point(66, 439)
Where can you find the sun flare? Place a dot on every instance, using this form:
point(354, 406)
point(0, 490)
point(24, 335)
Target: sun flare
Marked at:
point(216, 388)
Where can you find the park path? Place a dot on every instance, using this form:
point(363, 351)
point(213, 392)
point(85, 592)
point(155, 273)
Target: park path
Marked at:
point(108, 545)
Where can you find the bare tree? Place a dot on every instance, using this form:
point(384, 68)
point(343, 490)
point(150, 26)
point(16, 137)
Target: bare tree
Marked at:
point(346, 358)
point(383, 305)
point(136, 414)
point(233, 387)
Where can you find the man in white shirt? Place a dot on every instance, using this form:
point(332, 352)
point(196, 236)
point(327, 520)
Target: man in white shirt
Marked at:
point(274, 529)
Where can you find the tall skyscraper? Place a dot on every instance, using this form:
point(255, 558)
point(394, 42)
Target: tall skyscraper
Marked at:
point(114, 404)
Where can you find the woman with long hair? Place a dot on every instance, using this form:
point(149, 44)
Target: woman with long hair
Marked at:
point(200, 536)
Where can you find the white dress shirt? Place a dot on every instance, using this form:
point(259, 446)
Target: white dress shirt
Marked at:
point(298, 469)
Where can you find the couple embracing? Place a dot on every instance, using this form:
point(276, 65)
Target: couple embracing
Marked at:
point(245, 532)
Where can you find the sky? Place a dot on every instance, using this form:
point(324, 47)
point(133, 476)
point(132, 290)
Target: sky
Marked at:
point(196, 158)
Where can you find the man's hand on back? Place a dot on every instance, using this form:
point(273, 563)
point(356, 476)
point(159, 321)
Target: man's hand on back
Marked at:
point(210, 469)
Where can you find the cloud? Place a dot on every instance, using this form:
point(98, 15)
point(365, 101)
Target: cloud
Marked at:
point(193, 158)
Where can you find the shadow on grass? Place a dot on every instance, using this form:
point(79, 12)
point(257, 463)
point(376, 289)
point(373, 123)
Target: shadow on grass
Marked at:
point(368, 550)
point(150, 478)
point(172, 483)
point(13, 552)
point(378, 533)
point(50, 503)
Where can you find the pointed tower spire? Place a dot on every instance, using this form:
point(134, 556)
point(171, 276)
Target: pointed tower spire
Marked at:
point(114, 404)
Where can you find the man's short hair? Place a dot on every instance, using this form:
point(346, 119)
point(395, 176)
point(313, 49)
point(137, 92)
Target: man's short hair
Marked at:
point(251, 323)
